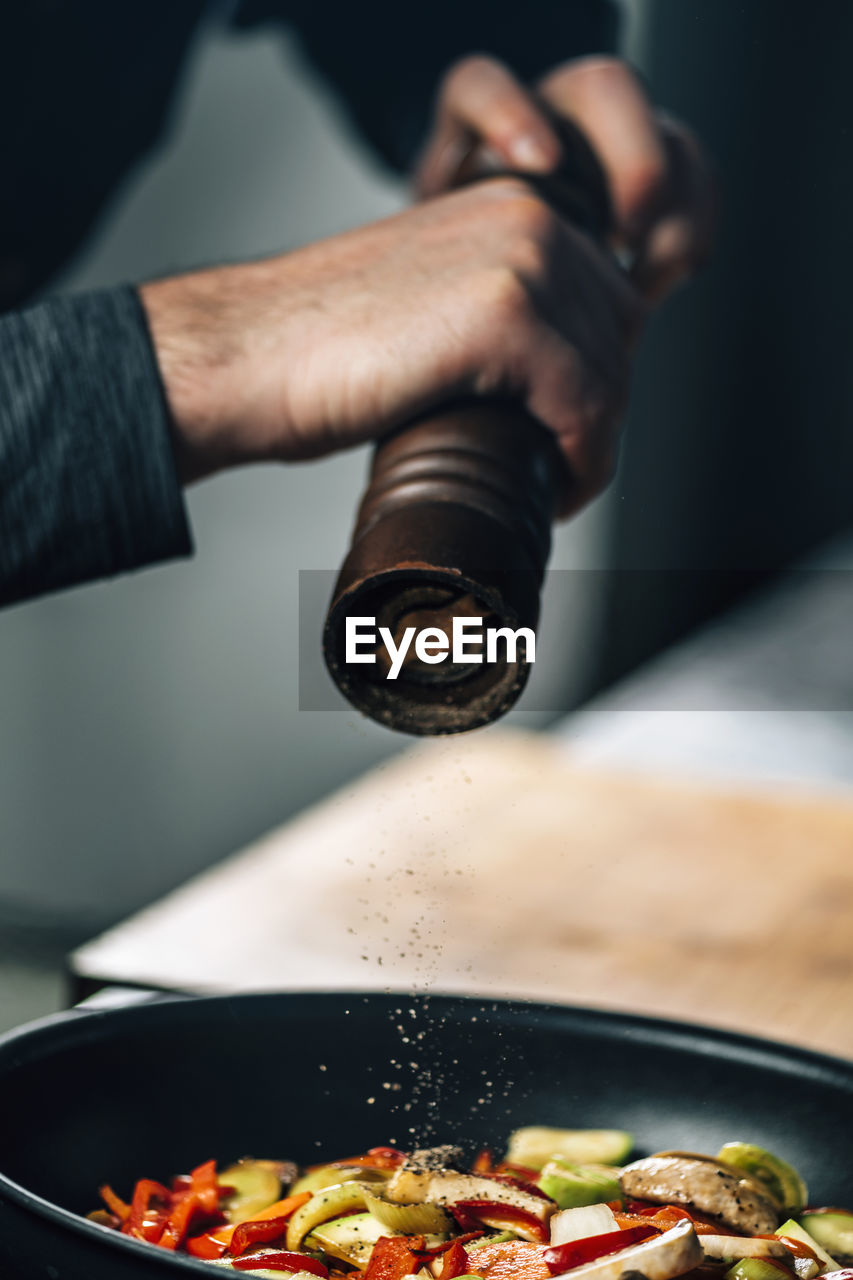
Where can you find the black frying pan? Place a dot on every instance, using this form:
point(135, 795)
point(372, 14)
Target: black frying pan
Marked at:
point(152, 1090)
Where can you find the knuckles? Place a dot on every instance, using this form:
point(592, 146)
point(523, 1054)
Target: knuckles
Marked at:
point(465, 73)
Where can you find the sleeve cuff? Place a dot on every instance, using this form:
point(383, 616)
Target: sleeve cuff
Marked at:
point(90, 486)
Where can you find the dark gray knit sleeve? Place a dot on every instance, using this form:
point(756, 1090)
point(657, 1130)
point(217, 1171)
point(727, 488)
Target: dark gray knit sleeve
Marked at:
point(87, 473)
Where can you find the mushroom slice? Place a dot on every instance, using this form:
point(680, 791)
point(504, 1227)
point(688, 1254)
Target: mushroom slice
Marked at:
point(418, 1186)
point(711, 1187)
point(663, 1257)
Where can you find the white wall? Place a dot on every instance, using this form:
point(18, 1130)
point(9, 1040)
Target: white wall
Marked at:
point(149, 726)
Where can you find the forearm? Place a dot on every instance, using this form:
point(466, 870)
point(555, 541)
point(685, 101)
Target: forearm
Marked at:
point(88, 487)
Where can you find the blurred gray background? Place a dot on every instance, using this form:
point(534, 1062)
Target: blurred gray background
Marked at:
point(150, 726)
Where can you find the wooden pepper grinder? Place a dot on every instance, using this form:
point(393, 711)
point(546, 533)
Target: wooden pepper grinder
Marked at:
point(456, 522)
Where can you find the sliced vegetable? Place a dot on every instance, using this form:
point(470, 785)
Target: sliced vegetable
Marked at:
point(256, 1185)
point(275, 1262)
point(565, 1257)
point(394, 1257)
point(779, 1178)
point(352, 1237)
point(661, 1257)
point(499, 1260)
point(793, 1232)
point(205, 1246)
point(447, 1187)
point(144, 1221)
point(588, 1220)
point(733, 1247)
point(204, 1185)
point(454, 1262)
point(536, 1145)
point(281, 1209)
point(805, 1268)
point(832, 1228)
point(407, 1219)
point(326, 1204)
point(497, 1238)
point(573, 1185)
point(700, 1182)
point(501, 1217)
point(332, 1175)
point(249, 1234)
point(115, 1204)
point(758, 1269)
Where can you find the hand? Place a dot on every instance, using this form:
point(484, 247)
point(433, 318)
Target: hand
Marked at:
point(483, 292)
point(660, 183)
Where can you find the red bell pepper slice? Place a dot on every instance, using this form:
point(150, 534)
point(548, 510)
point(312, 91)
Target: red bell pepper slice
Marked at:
point(435, 1249)
point(281, 1262)
point(522, 1171)
point(483, 1162)
point(455, 1262)
point(205, 1246)
point(204, 1185)
point(471, 1214)
point(184, 1209)
point(562, 1257)
point(142, 1221)
point(797, 1247)
point(281, 1209)
point(394, 1257)
point(249, 1233)
point(376, 1158)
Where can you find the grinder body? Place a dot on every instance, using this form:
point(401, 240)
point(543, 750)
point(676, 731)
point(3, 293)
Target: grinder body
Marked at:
point(456, 523)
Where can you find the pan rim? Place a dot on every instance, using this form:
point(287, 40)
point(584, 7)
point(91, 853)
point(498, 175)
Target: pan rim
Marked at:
point(695, 1037)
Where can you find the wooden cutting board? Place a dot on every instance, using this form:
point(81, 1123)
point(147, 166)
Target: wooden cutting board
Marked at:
point(496, 864)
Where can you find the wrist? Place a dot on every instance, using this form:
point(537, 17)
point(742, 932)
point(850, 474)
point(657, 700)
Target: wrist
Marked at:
point(198, 352)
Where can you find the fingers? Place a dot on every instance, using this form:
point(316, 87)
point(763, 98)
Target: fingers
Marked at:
point(606, 101)
point(584, 410)
point(481, 101)
point(659, 179)
point(679, 242)
point(567, 329)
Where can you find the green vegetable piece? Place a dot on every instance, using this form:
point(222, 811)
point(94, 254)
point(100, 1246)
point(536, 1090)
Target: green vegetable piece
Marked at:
point(776, 1175)
point(330, 1176)
point(833, 1229)
point(324, 1205)
point(796, 1232)
point(755, 1269)
point(572, 1186)
point(498, 1238)
point(256, 1183)
point(352, 1238)
point(536, 1145)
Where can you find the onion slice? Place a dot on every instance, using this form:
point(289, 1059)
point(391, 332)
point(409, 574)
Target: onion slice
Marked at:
point(736, 1247)
point(408, 1219)
point(577, 1224)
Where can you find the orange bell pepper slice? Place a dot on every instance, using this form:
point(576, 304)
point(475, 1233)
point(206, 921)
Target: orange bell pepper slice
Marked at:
point(281, 1209)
